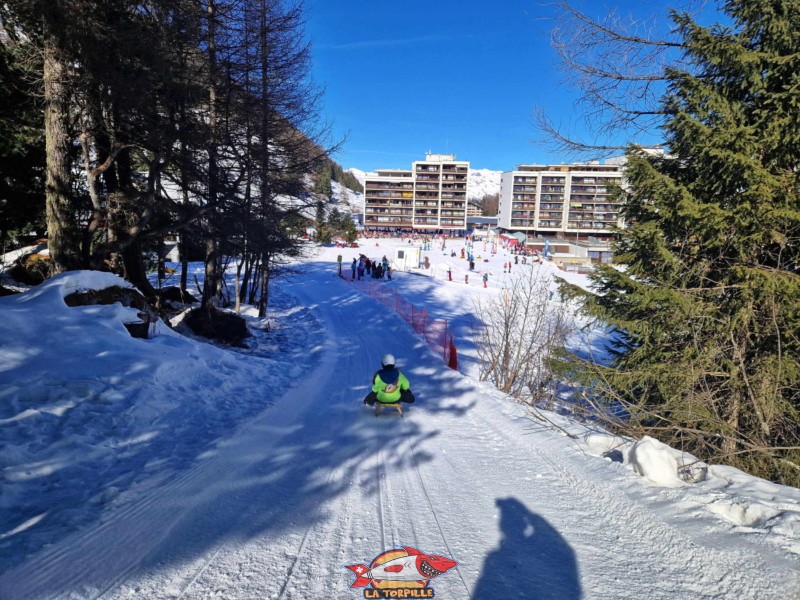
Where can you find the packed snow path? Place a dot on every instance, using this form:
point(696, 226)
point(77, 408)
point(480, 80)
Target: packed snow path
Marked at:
point(317, 482)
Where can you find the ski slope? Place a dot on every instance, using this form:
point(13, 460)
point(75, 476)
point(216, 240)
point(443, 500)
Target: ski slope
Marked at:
point(283, 502)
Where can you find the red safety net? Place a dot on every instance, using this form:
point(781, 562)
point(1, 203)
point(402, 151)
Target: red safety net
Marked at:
point(434, 331)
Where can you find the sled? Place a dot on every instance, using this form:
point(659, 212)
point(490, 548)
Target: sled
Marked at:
point(379, 406)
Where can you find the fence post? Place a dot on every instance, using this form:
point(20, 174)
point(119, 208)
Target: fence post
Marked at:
point(453, 359)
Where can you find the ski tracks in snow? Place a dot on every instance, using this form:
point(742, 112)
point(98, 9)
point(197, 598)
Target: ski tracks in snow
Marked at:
point(317, 482)
point(618, 541)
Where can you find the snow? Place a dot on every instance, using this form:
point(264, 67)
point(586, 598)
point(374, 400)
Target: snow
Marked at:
point(171, 468)
point(346, 199)
point(655, 461)
point(483, 182)
point(360, 175)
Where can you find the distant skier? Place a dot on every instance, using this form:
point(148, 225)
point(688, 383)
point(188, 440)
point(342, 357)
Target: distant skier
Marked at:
point(389, 385)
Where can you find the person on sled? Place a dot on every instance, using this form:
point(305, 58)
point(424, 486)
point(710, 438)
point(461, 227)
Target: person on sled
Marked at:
point(389, 385)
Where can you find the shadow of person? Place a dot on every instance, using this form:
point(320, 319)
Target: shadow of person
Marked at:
point(533, 561)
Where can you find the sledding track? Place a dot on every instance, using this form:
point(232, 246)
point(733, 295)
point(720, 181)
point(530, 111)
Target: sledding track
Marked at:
point(317, 482)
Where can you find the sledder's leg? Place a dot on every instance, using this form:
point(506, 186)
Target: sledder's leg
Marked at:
point(407, 396)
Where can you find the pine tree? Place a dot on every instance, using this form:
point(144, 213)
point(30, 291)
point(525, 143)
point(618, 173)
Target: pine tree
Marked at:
point(707, 307)
point(323, 184)
point(21, 145)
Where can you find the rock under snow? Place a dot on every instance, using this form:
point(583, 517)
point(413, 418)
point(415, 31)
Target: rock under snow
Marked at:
point(656, 461)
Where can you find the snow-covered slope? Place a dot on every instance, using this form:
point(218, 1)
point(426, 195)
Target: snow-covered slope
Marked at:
point(483, 182)
point(167, 468)
point(360, 175)
point(346, 199)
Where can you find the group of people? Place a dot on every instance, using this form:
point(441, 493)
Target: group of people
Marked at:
point(377, 269)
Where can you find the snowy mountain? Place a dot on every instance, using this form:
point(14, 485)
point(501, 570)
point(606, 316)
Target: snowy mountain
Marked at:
point(481, 182)
point(346, 199)
point(360, 175)
point(170, 468)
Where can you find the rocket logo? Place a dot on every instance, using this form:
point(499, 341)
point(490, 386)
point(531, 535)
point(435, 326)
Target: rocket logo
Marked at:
point(406, 568)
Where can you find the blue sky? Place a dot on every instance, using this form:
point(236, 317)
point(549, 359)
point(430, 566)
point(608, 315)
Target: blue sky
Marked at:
point(402, 77)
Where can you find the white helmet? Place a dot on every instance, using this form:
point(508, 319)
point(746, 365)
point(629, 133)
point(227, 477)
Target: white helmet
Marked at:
point(387, 360)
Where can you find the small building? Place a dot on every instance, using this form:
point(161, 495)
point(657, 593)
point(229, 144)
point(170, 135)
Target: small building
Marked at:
point(406, 259)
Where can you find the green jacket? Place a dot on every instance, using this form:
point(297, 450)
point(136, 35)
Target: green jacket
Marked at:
point(388, 384)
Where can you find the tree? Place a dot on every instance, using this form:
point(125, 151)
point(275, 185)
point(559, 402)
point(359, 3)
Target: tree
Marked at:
point(520, 330)
point(707, 309)
point(340, 224)
point(346, 178)
point(60, 202)
point(107, 78)
point(291, 139)
point(618, 64)
point(323, 184)
point(21, 144)
point(490, 205)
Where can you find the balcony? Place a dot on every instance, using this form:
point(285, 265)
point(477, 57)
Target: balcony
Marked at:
point(380, 185)
point(388, 221)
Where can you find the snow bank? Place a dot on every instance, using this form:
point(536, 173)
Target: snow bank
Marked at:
point(88, 414)
point(654, 460)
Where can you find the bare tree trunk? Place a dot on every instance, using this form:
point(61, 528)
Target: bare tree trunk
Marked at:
point(135, 271)
point(264, 298)
point(184, 256)
point(255, 277)
point(62, 235)
point(248, 269)
point(729, 442)
point(212, 274)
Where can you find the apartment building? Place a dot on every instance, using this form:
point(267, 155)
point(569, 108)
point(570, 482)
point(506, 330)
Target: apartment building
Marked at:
point(566, 201)
point(431, 197)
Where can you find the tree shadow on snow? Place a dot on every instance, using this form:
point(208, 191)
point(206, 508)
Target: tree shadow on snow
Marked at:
point(280, 476)
point(532, 562)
